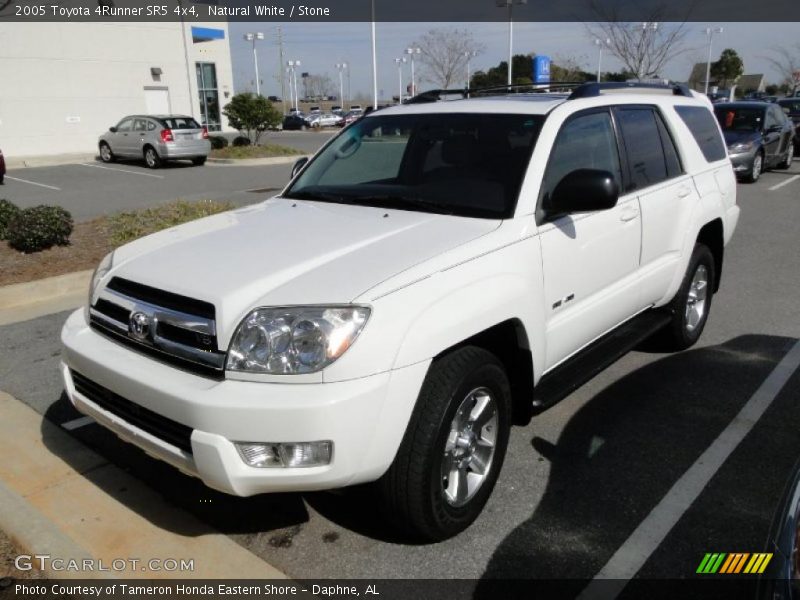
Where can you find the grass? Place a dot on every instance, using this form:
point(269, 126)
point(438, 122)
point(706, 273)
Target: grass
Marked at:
point(265, 151)
point(128, 226)
point(91, 240)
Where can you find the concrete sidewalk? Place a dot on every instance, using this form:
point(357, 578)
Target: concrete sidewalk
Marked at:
point(59, 498)
point(49, 160)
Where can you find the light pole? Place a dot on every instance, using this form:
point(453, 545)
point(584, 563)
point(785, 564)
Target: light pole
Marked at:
point(374, 62)
point(510, 4)
point(710, 31)
point(341, 67)
point(399, 62)
point(293, 64)
point(291, 91)
point(600, 44)
point(412, 52)
point(469, 54)
point(646, 26)
point(254, 37)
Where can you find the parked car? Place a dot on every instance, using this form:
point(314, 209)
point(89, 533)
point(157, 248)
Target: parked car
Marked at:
point(157, 139)
point(274, 98)
point(337, 110)
point(719, 96)
point(431, 274)
point(349, 117)
point(356, 108)
point(323, 120)
point(759, 136)
point(791, 106)
point(314, 110)
point(2, 167)
point(295, 121)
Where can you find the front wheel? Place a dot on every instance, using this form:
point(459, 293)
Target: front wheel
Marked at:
point(453, 448)
point(755, 168)
point(692, 303)
point(151, 158)
point(106, 155)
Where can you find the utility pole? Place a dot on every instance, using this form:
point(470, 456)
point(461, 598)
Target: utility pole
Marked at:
point(710, 31)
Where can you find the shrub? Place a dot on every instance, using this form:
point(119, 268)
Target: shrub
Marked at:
point(218, 142)
point(241, 141)
point(8, 210)
point(252, 115)
point(40, 227)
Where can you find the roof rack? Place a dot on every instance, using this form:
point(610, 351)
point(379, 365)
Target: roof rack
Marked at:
point(590, 90)
point(579, 89)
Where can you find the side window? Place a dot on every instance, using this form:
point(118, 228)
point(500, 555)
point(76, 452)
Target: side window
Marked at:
point(705, 131)
point(586, 141)
point(125, 125)
point(646, 161)
point(151, 126)
point(771, 120)
point(670, 152)
point(140, 125)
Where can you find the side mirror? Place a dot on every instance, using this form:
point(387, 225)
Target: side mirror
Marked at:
point(298, 166)
point(583, 190)
point(112, 129)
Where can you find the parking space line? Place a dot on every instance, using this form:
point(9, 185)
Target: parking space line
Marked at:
point(637, 549)
point(783, 183)
point(76, 423)
point(122, 170)
point(49, 187)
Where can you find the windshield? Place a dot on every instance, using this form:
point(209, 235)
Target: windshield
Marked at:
point(740, 119)
point(461, 164)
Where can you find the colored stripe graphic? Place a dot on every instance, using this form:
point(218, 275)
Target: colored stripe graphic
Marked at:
point(734, 562)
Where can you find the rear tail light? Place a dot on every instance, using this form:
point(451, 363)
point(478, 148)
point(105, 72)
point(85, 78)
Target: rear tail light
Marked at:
point(205, 133)
point(166, 135)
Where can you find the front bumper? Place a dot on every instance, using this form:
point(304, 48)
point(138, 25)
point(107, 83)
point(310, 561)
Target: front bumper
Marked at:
point(364, 418)
point(743, 162)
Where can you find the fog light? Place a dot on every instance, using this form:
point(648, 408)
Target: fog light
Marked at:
point(286, 454)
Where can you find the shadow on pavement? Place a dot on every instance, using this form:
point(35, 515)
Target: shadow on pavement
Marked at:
point(622, 451)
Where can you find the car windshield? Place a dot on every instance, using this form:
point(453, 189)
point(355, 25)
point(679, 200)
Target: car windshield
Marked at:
point(740, 118)
point(462, 164)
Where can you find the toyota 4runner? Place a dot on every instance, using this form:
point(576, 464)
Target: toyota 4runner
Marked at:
point(434, 273)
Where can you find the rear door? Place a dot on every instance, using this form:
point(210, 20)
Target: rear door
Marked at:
point(667, 195)
point(138, 135)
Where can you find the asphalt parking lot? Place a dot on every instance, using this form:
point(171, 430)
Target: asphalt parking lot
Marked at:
point(92, 188)
point(580, 479)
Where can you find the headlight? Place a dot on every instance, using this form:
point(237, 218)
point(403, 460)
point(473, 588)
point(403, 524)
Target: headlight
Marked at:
point(738, 148)
point(101, 271)
point(292, 340)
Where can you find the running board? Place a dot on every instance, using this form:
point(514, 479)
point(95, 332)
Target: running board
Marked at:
point(577, 370)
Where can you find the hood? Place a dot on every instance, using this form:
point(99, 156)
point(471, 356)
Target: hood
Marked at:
point(740, 137)
point(285, 252)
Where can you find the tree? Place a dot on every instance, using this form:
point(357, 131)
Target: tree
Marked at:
point(642, 48)
point(252, 115)
point(445, 52)
point(567, 69)
point(319, 86)
point(787, 62)
point(727, 69)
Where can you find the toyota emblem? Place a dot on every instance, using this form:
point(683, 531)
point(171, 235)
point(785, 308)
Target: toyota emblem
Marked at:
point(139, 326)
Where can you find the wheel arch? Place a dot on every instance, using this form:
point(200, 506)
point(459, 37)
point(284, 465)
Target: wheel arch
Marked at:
point(712, 235)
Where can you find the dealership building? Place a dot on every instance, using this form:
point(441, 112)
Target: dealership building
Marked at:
point(63, 84)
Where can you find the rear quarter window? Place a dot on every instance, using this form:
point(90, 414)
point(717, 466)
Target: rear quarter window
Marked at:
point(705, 131)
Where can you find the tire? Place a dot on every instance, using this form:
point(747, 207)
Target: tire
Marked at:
point(420, 490)
point(151, 158)
point(756, 168)
point(199, 161)
point(786, 163)
point(692, 303)
point(106, 155)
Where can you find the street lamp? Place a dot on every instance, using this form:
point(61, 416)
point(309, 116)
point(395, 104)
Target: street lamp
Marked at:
point(600, 44)
point(291, 91)
point(710, 31)
point(510, 4)
point(646, 26)
point(400, 62)
point(341, 67)
point(412, 52)
point(374, 61)
point(293, 64)
point(469, 54)
point(254, 37)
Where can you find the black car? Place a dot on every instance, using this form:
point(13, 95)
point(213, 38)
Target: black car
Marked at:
point(295, 121)
point(759, 136)
point(791, 106)
point(2, 168)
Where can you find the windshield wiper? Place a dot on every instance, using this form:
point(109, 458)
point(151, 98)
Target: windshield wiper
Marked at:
point(401, 202)
point(316, 195)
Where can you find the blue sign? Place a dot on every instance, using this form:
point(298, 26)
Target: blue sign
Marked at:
point(541, 69)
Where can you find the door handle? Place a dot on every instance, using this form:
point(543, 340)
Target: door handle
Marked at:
point(629, 214)
point(684, 191)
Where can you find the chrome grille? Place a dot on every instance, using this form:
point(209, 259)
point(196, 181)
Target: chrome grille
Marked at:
point(172, 328)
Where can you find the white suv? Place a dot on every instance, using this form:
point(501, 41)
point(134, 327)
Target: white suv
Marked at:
point(436, 272)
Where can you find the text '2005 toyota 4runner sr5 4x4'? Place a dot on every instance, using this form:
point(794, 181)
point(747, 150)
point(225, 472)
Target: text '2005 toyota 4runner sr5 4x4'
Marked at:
point(434, 273)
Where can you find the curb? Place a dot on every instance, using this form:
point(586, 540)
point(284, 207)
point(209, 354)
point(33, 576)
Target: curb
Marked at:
point(60, 498)
point(49, 288)
point(258, 162)
point(48, 161)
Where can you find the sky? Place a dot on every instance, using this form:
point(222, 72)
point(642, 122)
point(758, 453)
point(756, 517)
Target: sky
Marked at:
point(319, 46)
